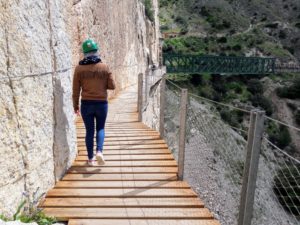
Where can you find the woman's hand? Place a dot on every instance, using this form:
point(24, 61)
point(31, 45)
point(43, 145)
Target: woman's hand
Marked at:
point(77, 112)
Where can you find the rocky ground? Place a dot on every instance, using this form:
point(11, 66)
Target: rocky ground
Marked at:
point(215, 155)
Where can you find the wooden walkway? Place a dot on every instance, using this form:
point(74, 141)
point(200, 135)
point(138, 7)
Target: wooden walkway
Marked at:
point(138, 184)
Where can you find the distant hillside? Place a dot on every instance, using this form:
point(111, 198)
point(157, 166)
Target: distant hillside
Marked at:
point(232, 27)
point(240, 28)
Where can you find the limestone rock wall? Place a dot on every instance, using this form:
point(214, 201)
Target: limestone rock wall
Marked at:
point(39, 47)
point(128, 41)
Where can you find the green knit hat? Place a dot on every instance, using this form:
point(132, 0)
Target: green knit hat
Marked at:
point(89, 46)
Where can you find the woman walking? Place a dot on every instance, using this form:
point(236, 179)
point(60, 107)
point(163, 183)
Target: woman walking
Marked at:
point(92, 79)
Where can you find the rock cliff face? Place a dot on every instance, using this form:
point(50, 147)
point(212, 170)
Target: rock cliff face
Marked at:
point(39, 47)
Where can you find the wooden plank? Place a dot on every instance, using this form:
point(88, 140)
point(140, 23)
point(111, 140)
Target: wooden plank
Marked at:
point(137, 185)
point(130, 152)
point(121, 177)
point(122, 133)
point(152, 163)
point(124, 184)
point(121, 130)
point(108, 136)
point(123, 170)
point(65, 214)
point(122, 193)
point(120, 124)
point(143, 222)
point(152, 137)
point(123, 202)
point(144, 145)
point(132, 157)
point(128, 142)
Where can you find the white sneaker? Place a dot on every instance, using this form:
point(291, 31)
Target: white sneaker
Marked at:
point(100, 158)
point(91, 162)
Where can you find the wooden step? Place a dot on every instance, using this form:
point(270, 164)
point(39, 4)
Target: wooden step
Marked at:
point(151, 163)
point(122, 177)
point(123, 184)
point(122, 134)
point(150, 137)
point(143, 222)
point(121, 193)
point(122, 170)
point(123, 202)
point(130, 152)
point(138, 185)
point(65, 214)
point(126, 145)
point(131, 157)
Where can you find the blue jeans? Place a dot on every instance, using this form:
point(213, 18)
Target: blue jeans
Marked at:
point(91, 110)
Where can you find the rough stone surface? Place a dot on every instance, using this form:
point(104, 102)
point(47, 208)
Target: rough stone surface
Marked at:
point(16, 223)
point(151, 106)
point(39, 48)
point(214, 158)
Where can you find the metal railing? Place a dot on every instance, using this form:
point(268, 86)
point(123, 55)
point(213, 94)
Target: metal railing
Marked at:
point(178, 63)
point(240, 174)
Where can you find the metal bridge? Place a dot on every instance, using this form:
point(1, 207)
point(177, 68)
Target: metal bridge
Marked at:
point(177, 63)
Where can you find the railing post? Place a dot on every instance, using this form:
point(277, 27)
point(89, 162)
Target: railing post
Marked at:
point(140, 97)
point(182, 127)
point(255, 136)
point(162, 106)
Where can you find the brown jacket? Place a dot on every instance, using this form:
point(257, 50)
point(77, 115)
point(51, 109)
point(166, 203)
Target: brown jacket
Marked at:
point(93, 81)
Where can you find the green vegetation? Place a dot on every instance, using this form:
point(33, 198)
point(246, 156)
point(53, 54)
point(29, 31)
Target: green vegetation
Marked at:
point(279, 135)
point(27, 212)
point(149, 9)
point(29, 217)
point(287, 189)
point(207, 28)
point(291, 92)
point(272, 49)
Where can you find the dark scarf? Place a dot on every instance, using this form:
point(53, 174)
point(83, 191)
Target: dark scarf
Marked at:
point(90, 60)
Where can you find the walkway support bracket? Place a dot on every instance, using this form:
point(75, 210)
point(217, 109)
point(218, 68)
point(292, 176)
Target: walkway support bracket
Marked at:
point(255, 136)
point(140, 97)
point(162, 106)
point(182, 132)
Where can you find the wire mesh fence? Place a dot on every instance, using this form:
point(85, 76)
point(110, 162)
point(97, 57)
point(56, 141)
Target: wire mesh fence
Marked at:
point(277, 199)
point(216, 156)
point(171, 123)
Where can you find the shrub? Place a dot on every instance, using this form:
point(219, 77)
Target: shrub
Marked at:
point(272, 25)
point(281, 137)
point(149, 9)
point(237, 47)
point(292, 106)
point(255, 86)
point(184, 31)
point(196, 80)
point(232, 117)
point(180, 20)
point(226, 24)
point(164, 27)
point(297, 25)
point(282, 34)
point(204, 11)
point(261, 101)
point(236, 87)
point(287, 189)
point(27, 212)
point(291, 92)
point(297, 117)
point(222, 40)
